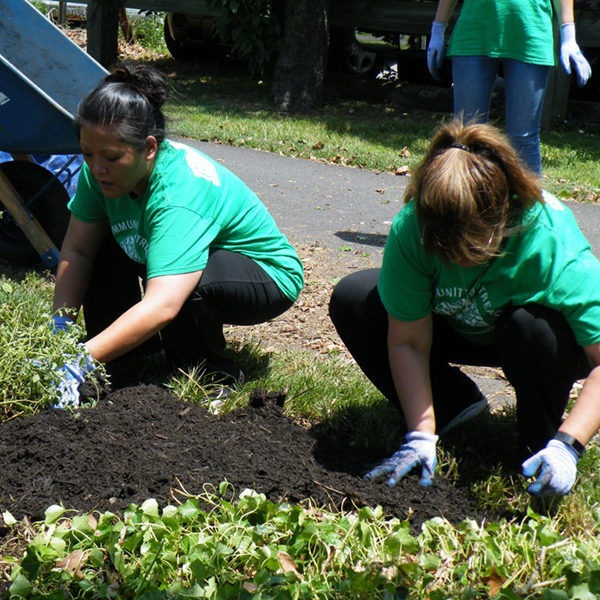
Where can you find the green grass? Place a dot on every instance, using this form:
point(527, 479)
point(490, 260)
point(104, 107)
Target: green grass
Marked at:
point(359, 124)
point(218, 545)
point(215, 547)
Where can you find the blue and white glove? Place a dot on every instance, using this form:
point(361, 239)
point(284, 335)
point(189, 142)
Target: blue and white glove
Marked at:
point(417, 451)
point(557, 467)
point(71, 376)
point(570, 53)
point(436, 50)
point(60, 323)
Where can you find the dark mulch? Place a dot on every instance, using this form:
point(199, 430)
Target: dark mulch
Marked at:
point(141, 442)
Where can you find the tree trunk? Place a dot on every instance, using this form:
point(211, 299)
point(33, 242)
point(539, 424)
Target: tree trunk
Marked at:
point(103, 30)
point(300, 68)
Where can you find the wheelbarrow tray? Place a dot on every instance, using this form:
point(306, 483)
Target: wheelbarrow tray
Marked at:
point(43, 77)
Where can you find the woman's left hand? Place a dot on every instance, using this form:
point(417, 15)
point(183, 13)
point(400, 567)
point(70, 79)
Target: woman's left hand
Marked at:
point(570, 53)
point(70, 376)
point(417, 451)
point(555, 467)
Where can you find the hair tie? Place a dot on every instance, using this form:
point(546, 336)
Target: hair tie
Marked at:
point(461, 146)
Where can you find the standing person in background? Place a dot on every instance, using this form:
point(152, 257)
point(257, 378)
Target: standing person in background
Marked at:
point(518, 35)
point(150, 209)
point(481, 267)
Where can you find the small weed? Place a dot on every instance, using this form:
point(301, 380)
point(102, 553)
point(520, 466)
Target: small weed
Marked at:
point(31, 353)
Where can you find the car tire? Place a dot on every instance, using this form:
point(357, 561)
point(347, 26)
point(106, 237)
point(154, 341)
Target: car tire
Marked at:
point(347, 56)
point(179, 50)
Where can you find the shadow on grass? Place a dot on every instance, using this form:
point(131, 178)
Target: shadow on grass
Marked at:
point(371, 434)
point(386, 116)
point(350, 107)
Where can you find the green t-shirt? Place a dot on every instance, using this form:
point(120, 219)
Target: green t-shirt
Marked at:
point(518, 29)
point(191, 204)
point(547, 261)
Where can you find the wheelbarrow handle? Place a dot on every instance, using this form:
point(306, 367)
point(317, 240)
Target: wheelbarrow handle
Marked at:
point(30, 226)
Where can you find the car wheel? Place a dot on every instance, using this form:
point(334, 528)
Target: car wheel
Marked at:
point(180, 50)
point(362, 62)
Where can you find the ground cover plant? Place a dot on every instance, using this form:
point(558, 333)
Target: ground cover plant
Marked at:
point(148, 494)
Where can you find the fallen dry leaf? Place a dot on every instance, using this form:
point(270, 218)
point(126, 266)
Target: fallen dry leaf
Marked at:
point(288, 564)
point(494, 581)
point(73, 562)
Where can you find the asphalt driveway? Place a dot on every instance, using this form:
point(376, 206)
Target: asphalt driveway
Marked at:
point(334, 205)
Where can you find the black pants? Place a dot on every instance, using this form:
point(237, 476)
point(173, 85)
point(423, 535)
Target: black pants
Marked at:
point(534, 346)
point(233, 289)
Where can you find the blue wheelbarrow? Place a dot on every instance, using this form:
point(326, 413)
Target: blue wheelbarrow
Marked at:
point(43, 76)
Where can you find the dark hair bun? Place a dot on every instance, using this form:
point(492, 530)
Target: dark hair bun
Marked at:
point(142, 78)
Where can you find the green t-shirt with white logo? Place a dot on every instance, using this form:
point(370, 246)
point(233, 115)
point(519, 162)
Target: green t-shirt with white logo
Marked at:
point(517, 29)
point(547, 261)
point(191, 205)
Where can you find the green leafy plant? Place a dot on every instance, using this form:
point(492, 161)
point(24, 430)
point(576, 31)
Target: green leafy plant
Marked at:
point(148, 31)
point(31, 353)
point(215, 545)
point(253, 27)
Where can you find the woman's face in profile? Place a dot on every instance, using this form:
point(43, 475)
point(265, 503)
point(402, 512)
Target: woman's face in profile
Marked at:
point(119, 168)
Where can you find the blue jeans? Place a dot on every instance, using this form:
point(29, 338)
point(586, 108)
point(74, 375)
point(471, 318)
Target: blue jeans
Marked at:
point(524, 87)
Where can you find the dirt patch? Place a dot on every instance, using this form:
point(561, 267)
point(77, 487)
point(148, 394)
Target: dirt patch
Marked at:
point(141, 442)
point(307, 324)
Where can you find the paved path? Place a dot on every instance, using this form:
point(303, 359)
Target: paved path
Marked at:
point(336, 205)
point(339, 206)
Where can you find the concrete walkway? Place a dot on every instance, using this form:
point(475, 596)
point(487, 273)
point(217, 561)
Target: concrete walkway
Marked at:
point(338, 207)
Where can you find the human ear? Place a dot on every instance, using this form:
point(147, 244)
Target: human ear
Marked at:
point(150, 147)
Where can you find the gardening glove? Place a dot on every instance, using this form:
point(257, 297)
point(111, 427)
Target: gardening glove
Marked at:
point(436, 50)
point(557, 467)
point(417, 451)
point(60, 323)
point(570, 53)
point(71, 376)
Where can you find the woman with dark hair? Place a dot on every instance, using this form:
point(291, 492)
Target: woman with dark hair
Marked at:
point(481, 267)
point(148, 208)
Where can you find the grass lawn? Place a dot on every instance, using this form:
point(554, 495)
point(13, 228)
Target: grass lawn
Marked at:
point(362, 124)
point(252, 548)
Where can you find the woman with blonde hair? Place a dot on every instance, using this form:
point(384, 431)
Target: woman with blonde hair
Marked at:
point(481, 267)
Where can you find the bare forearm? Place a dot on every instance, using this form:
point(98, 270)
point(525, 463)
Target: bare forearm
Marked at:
point(131, 329)
point(564, 11)
point(410, 370)
point(72, 280)
point(584, 419)
point(444, 10)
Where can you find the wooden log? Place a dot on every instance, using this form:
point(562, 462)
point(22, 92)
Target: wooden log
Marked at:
point(190, 7)
point(400, 16)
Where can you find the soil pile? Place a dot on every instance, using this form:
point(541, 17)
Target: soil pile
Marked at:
point(141, 442)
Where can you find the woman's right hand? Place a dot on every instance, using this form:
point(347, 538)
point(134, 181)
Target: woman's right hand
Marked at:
point(436, 49)
point(417, 451)
point(570, 54)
